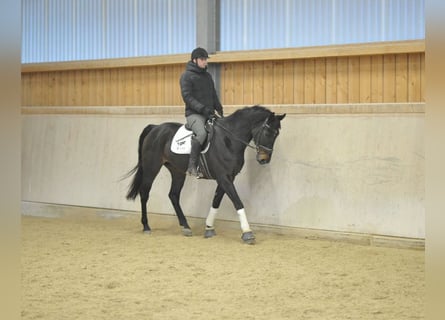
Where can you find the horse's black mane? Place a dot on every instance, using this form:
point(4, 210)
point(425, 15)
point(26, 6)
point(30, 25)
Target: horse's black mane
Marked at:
point(254, 108)
point(249, 111)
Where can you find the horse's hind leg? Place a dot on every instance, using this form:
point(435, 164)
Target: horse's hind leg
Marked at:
point(144, 193)
point(210, 228)
point(178, 179)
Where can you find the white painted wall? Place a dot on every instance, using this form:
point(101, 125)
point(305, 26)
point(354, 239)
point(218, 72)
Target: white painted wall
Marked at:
point(343, 172)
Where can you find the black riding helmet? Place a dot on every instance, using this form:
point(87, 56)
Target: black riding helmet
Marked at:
point(199, 53)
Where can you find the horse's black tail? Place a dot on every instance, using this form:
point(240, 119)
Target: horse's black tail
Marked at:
point(135, 185)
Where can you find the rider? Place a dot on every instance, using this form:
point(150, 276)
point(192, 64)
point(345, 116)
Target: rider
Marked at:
point(201, 101)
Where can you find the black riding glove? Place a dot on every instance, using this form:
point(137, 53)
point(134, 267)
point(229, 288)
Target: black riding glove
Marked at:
point(208, 112)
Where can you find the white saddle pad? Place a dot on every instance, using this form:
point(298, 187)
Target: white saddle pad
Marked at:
point(182, 141)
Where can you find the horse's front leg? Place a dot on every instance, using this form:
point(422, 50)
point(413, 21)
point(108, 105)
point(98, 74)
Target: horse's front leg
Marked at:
point(210, 221)
point(229, 188)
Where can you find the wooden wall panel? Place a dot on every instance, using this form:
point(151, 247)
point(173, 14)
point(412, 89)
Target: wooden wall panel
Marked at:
point(414, 82)
point(331, 80)
point(267, 83)
point(376, 78)
point(389, 79)
point(422, 77)
point(248, 90)
point(309, 81)
point(353, 79)
point(227, 87)
point(154, 85)
point(178, 70)
point(402, 78)
point(137, 87)
point(278, 82)
point(258, 82)
point(320, 81)
point(299, 81)
point(151, 85)
point(365, 79)
point(288, 82)
point(238, 82)
point(36, 82)
point(342, 80)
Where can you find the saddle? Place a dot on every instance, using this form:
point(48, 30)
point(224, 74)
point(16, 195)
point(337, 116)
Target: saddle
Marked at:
point(182, 140)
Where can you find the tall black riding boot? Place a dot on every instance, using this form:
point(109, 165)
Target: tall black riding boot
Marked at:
point(193, 160)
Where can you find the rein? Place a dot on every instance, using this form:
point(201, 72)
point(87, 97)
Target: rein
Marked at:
point(256, 147)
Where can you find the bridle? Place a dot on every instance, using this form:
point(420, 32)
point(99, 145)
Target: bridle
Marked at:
point(256, 136)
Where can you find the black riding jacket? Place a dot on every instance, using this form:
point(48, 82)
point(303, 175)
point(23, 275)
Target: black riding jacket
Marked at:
point(198, 90)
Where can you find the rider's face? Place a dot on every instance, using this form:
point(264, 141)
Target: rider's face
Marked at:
point(201, 62)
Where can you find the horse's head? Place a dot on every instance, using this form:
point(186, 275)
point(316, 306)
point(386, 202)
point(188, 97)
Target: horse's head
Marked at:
point(265, 136)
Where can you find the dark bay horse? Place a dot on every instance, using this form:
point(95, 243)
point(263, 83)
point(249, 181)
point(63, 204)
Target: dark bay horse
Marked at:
point(224, 160)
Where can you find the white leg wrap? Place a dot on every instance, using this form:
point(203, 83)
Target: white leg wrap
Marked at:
point(243, 220)
point(211, 217)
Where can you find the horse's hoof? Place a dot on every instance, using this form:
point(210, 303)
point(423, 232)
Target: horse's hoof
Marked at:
point(248, 237)
point(209, 233)
point(146, 231)
point(186, 232)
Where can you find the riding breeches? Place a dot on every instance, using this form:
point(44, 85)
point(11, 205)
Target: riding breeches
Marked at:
point(196, 123)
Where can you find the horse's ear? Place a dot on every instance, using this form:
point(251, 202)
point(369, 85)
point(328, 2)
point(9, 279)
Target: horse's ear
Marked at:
point(281, 116)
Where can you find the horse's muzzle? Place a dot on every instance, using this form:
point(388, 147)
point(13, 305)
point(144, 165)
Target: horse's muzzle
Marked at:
point(263, 156)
